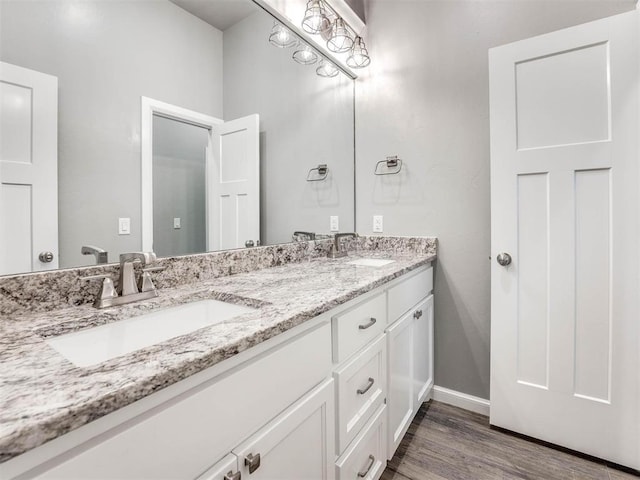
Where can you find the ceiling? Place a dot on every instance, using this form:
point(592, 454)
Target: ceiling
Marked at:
point(219, 13)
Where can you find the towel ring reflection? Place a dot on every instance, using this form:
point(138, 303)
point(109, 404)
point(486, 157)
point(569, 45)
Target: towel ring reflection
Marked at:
point(321, 173)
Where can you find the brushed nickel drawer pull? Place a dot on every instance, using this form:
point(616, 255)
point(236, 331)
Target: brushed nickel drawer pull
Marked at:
point(253, 461)
point(364, 473)
point(232, 476)
point(367, 325)
point(362, 391)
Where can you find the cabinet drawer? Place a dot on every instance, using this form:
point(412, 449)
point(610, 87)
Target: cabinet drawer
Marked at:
point(207, 421)
point(361, 385)
point(365, 459)
point(407, 293)
point(359, 325)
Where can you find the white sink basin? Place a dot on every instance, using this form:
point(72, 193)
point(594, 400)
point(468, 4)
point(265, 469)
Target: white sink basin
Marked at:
point(371, 262)
point(95, 345)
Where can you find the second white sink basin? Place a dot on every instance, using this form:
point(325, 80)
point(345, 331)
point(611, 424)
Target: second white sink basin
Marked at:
point(98, 344)
point(371, 262)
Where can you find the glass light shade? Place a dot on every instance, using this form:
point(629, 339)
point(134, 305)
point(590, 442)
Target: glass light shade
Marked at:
point(315, 18)
point(340, 40)
point(359, 56)
point(281, 36)
point(327, 69)
point(305, 55)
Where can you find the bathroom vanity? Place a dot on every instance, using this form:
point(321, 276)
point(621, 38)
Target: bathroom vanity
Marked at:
point(320, 379)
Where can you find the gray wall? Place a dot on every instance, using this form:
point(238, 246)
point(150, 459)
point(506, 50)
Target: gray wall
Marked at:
point(426, 99)
point(179, 186)
point(304, 120)
point(106, 54)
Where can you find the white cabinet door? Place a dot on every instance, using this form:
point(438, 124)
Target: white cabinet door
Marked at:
point(400, 380)
point(564, 205)
point(422, 351)
point(297, 445)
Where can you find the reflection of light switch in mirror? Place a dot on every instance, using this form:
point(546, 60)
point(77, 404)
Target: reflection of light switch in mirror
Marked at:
point(124, 226)
point(176, 222)
point(333, 224)
point(377, 223)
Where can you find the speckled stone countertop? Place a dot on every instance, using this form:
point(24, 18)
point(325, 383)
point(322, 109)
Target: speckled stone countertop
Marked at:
point(43, 395)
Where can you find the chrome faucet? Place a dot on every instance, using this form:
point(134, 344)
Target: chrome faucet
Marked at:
point(128, 289)
point(102, 256)
point(336, 252)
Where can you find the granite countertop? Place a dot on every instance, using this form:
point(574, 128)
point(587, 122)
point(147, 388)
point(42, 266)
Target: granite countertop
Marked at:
point(43, 395)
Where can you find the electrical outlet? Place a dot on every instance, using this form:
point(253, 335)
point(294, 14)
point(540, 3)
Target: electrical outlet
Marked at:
point(377, 224)
point(334, 226)
point(176, 223)
point(124, 226)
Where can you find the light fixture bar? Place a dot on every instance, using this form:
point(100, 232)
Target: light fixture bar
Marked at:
point(295, 30)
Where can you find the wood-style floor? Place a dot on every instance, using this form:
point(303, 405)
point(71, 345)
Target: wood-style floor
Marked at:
point(446, 442)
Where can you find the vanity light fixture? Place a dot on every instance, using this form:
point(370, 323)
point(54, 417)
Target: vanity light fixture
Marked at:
point(304, 55)
point(340, 40)
point(327, 69)
point(315, 18)
point(281, 37)
point(321, 18)
point(359, 56)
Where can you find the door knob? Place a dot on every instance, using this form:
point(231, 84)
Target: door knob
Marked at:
point(504, 259)
point(46, 257)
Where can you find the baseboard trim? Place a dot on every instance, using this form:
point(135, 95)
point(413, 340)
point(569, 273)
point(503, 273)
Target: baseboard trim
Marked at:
point(461, 400)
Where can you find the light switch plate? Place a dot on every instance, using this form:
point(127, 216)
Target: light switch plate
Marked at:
point(124, 226)
point(334, 225)
point(377, 224)
point(176, 223)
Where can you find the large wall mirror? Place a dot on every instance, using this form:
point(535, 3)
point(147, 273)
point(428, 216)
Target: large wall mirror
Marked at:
point(176, 126)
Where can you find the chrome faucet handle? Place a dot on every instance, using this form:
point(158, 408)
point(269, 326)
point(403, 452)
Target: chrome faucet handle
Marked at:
point(146, 284)
point(107, 290)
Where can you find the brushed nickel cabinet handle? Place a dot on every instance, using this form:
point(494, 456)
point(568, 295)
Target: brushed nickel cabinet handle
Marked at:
point(362, 391)
point(417, 314)
point(364, 473)
point(252, 461)
point(232, 476)
point(371, 323)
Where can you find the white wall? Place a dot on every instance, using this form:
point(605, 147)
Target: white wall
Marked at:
point(426, 98)
point(106, 54)
point(304, 120)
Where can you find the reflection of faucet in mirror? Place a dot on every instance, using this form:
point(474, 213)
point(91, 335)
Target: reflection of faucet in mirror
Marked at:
point(102, 256)
point(335, 248)
point(303, 236)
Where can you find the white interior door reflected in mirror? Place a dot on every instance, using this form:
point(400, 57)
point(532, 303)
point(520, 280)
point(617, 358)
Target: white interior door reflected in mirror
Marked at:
point(28, 170)
point(233, 178)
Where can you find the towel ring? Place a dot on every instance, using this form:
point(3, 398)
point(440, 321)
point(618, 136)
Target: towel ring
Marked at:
point(393, 164)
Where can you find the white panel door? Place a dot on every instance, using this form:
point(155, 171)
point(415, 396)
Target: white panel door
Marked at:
point(28, 169)
point(234, 184)
point(564, 202)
